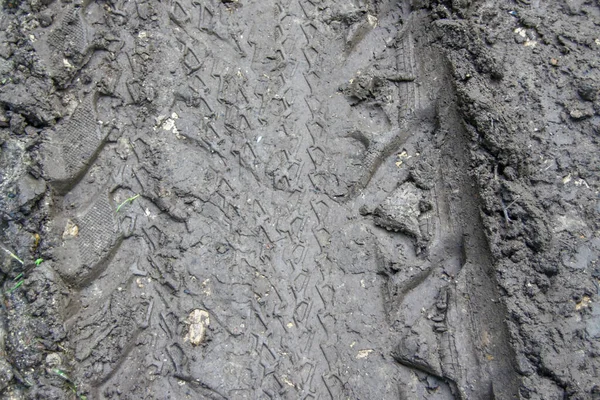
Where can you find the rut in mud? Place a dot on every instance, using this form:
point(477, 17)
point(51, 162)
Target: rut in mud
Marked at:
point(278, 199)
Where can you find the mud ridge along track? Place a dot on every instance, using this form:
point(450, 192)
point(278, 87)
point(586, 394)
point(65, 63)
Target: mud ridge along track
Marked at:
point(299, 199)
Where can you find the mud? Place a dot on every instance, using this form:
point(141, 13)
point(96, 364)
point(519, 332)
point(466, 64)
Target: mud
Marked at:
point(363, 199)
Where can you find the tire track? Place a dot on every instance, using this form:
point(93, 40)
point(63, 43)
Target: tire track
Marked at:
point(238, 159)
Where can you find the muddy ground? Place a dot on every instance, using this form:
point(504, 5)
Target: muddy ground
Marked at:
point(364, 199)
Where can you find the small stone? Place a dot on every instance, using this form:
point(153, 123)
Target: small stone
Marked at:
point(580, 113)
point(53, 360)
point(364, 353)
point(198, 321)
point(71, 230)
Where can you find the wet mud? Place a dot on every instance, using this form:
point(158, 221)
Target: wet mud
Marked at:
point(367, 199)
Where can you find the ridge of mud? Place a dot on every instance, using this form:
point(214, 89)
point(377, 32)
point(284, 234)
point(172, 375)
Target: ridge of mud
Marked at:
point(520, 166)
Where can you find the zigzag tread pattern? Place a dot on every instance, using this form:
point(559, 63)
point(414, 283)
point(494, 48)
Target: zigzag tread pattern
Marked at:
point(275, 295)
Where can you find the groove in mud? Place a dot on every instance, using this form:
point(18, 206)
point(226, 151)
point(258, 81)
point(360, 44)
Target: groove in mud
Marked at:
point(478, 359)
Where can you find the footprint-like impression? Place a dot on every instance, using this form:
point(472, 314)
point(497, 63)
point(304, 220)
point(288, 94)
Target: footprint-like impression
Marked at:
point(73, 146)
point(86, 239)
point(67, 47)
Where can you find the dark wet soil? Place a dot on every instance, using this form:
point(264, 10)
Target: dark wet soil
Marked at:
point(366, 199)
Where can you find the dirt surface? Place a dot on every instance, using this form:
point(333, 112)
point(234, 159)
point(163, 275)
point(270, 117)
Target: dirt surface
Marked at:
point(366, 199)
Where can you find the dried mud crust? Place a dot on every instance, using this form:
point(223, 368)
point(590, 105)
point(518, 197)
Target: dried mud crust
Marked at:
point(300, 199)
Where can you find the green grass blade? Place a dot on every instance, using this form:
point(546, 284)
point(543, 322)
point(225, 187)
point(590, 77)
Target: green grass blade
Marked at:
point(10, 253)
point(129, 200)
point(18, 285)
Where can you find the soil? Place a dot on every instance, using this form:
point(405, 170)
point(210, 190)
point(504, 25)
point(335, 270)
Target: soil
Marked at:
point(366, 199)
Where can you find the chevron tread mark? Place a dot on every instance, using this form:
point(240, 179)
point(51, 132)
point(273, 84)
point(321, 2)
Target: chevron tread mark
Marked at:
point(227, 182)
